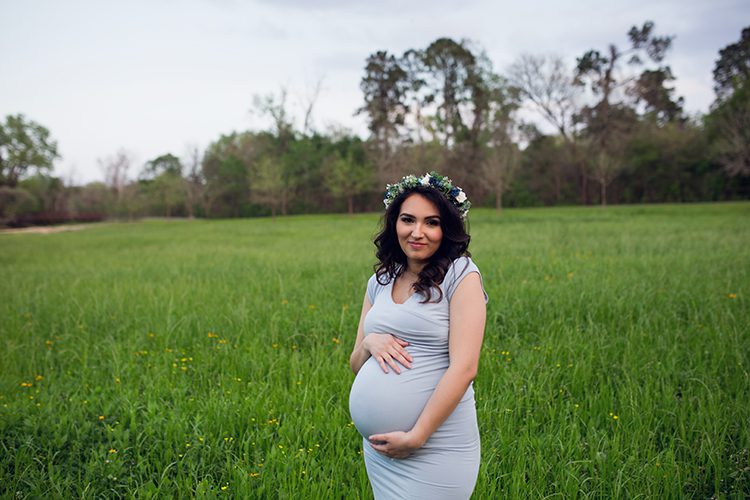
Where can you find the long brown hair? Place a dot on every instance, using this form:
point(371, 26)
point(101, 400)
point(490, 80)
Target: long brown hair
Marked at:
point(392, 260)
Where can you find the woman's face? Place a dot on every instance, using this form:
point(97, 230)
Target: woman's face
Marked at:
point(418, 229)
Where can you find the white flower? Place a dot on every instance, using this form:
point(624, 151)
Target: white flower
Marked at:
point(461, 196)
point(385, 202)
point(425, 180)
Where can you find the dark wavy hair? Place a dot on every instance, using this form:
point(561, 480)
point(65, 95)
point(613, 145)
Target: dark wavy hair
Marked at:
point(392, 260)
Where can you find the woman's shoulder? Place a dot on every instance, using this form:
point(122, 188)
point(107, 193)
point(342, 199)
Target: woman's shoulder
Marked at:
point(374, 286)
point(461, 265)
point(458, 270)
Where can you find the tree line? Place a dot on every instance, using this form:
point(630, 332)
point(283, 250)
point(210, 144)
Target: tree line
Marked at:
point(605, 128)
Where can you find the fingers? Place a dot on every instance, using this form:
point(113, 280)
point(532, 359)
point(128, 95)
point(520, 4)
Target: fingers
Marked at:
point(389, 359)
point(403, 359)
point(400, 341)
point(381, 362)
point(379, 443)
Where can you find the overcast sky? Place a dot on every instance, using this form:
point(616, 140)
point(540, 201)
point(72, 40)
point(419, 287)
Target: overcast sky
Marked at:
point(158, 76)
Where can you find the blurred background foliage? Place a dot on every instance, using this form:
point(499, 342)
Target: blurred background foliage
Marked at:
point(605, 128)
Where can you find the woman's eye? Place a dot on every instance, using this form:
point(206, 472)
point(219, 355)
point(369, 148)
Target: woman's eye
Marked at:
point(434, 223)
point(406, 219)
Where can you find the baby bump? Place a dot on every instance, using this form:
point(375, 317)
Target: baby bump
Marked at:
point(385, 402)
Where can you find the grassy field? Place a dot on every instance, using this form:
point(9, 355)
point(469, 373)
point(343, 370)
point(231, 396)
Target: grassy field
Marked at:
point(210, 358)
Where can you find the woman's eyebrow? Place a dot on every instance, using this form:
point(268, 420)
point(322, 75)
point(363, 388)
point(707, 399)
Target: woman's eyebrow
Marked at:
point(406, 214)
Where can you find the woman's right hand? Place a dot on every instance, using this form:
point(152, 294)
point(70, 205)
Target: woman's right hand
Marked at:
point(387, 350)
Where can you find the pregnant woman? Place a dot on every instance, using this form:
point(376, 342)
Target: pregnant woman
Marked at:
point(417, 347)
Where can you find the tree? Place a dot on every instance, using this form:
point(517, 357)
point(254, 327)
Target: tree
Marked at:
point(24, 144)
point(283, 137)
point(732, 69)
point(729, 122)
point(267, 184)
point(348, 174)
point(729, 126)
point(115, 168)
point(460, 85)
point(384, 87)
point(225, 169)
point(546, 83)
point(309, 104)
point(161, 178)
point(164, 164)
point(502, 157)
point(451, 71)
point(194, 181)
point(611, 119)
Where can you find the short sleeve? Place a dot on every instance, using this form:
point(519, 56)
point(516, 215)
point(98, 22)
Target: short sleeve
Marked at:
point(461, 267)
point(373, 288)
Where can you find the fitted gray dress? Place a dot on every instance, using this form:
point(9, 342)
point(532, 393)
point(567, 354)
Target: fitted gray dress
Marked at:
point(448, 463)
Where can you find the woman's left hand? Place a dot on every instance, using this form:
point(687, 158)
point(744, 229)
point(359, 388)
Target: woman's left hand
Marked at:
point(395, 444)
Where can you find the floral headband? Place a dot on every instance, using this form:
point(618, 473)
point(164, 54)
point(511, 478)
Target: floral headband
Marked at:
point(442, 184)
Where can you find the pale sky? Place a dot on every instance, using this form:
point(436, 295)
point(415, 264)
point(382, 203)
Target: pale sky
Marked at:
point(157, 76)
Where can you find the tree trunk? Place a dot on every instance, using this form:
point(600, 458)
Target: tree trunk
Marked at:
point(350, 202)
point(603, 193)
point(498, 201)
point(584, 184)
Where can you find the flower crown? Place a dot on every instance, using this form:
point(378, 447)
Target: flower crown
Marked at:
point(441, 183)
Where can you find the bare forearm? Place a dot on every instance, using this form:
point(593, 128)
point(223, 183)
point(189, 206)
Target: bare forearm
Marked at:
point(444, 400)
point(358, 357)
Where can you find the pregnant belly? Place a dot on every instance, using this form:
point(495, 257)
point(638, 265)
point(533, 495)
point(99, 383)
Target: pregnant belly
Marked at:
point(385, 402)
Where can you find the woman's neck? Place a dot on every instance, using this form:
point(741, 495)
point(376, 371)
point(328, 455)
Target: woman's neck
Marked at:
point(414, 268)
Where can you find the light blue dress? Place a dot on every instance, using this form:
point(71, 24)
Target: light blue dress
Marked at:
point(448, 463)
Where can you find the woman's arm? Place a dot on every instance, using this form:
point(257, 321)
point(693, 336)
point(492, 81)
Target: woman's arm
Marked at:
point(467, 318)
point(359, 353)
point(386, 348)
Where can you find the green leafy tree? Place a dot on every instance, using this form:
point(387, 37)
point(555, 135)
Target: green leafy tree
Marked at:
point(267, 183)
point(226, 174)
point(385, 87)
point(729, 127)
point(611, 120)
point(164, 164)
point(732, 69)
point(348, 174)
point(163, 186)
point(24, 144)
point(15, 201)
point(729, 122)
point(451, 71)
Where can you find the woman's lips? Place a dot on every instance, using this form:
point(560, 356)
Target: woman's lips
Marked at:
point(417, 245)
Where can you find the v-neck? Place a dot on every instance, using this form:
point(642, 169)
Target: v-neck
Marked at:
point(390, 295)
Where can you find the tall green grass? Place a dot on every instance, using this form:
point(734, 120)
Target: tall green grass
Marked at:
point(210, 358)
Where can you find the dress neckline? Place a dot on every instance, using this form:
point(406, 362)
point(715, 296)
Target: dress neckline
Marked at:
point(390, 295)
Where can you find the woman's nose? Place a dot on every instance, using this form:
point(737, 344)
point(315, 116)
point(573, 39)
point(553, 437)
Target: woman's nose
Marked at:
point(416, 232)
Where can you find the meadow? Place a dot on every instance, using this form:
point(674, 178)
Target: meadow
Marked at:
point(210, 358)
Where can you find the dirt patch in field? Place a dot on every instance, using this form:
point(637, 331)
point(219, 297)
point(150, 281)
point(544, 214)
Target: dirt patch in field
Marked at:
point(47, 229)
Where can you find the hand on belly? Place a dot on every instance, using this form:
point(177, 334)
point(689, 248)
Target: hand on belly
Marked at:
point(388, 351)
